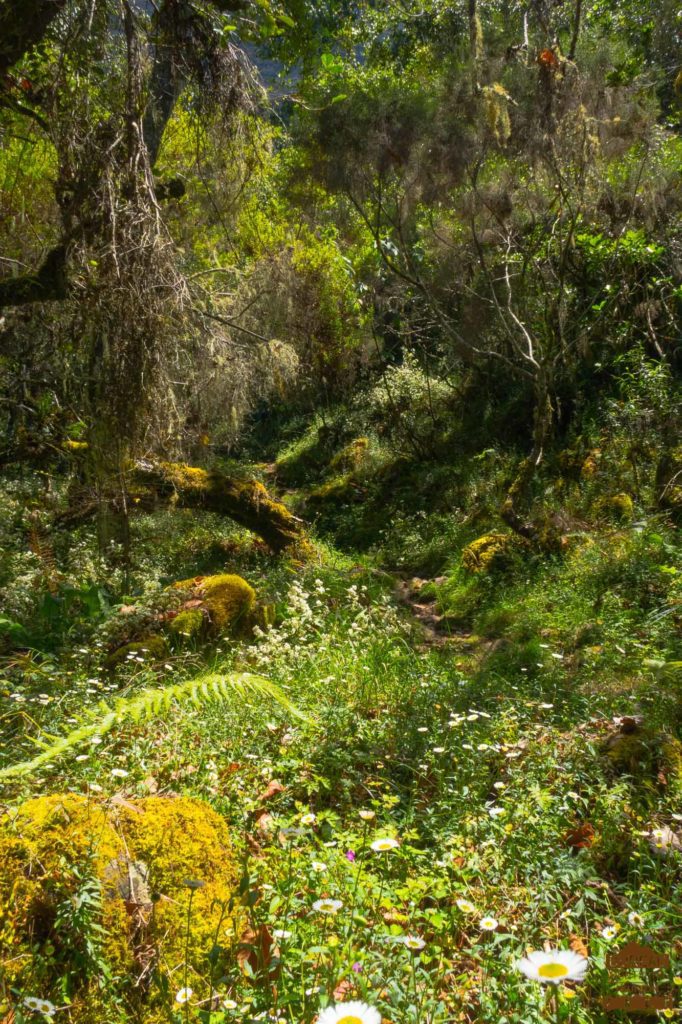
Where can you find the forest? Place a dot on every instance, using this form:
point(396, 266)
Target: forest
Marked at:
point(340, 495)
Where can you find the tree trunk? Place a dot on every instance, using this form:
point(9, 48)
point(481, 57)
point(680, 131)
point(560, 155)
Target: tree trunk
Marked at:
point(515, 510)
point(245, 501)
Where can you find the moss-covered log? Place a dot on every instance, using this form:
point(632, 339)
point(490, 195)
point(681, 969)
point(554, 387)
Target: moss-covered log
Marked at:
point(245, 501)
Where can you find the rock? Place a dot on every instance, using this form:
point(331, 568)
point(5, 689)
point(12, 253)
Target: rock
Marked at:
point(150, 859)
point(152, 649)
point(492, 552)
point(228, 602)
point(647, 755)
point(617, 507)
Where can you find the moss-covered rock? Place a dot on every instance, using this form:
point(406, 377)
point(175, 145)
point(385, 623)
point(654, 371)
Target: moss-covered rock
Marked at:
point(151, 649)
point(228, 600)
point(352, 456)
point(617, 507)
point(493, 552)
point(55, 848)
point(649, 756)
point(341, 488)
point(190, 623)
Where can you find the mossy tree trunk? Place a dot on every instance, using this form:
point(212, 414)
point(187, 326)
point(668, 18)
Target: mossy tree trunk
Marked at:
point(245, 501)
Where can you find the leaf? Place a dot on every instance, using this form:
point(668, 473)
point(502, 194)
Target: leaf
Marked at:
point(580, 838)
point(265, 823)
point(258, 953)
point(578, 946)
point(272, 789)
point(342, 989)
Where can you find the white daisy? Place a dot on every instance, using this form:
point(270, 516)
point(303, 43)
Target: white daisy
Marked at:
point(495, 812)
point(488, 924)
point(327, 906)
point(43, 1006)
point(184, 995)
point(119, 773)
point(553, 967)
point(412, 942)
point(610, 932)
point(350, 1013)
point(385, 844)
point(635, 920)
point(309, 818)
point(318, 865)
point(281, 933)
point(466, 906)
point(367, 815)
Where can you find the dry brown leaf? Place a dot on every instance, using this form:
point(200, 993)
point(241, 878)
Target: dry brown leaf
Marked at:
point(265, 823)
point(581, 837)
point(342, 989)
point(578, 945)
point(258, 949)
point(272, 789)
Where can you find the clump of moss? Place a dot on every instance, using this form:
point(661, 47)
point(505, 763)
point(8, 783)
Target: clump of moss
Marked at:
point(493, 552)
point(189, 623)
point(181, 848)
point(590, 464)
point(339, 488)
point(229, 601)
point(646, 755)
point(153, 649)
point(618, 507)
point(352, 456)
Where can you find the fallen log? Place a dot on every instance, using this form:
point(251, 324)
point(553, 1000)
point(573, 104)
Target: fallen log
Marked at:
point(245, 501)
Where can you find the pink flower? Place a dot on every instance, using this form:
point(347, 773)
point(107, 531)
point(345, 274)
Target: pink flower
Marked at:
point(350, 855)
point(357, 967)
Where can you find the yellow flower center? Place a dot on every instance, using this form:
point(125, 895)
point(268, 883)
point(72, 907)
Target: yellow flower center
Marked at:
point(349, 1020)
point(553, 971)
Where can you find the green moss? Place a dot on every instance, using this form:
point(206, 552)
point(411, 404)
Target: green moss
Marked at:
point(339, 488)
point(229, 600)
point(52, 843)
point(617, 507)
point(493, 552)
point(352, 456)
point(152, 648)
point(188, 623)
point(647, 756)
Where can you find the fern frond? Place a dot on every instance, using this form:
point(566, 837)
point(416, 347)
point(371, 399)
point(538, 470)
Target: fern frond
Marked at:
point(148, 704)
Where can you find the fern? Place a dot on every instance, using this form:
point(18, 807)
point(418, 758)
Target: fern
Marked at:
point(150, 703)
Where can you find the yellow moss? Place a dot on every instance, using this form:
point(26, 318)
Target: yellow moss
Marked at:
point(229, 600)
point(185, 477)
point(173, 841)
point(590, 464)
point(615, 506)
point(493, 551)
point(75, 446)
point(151, 648)
point(496, 100)
point(352, 456)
